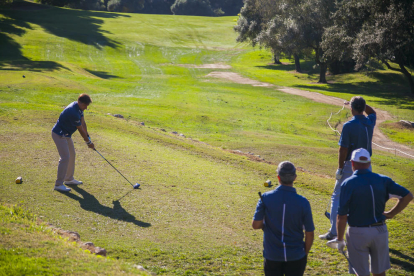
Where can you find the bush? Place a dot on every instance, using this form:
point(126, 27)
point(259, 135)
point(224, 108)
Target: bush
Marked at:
point(192, 7)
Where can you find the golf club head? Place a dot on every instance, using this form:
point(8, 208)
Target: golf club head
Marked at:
point(136, 186)
point(327, 214)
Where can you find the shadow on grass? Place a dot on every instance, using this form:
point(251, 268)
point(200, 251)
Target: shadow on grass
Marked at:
point(306, 66)
point(407, 264)
point(75, 25)
point(102, 74)
point(89, 203)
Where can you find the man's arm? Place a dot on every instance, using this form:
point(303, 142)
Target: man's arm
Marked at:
point(308, 241)
point(343, 152)
point(84, 126)
point(340, 226)
point(402, 203)
point(85, 136)
point(369, 110)
point(257, 224)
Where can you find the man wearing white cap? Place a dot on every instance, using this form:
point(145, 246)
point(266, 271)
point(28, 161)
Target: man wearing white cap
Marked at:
point(362, 205)
point(356, 133)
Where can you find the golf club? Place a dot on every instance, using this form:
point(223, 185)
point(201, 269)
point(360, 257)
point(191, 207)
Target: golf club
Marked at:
point(349, 262)
point(136, 186)
point(334, 245)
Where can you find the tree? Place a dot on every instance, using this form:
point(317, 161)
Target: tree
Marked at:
point(381, 29)
point(229, 7)
point(125, 5)
point(252, 25)
point(192, 7)
point(158, 6)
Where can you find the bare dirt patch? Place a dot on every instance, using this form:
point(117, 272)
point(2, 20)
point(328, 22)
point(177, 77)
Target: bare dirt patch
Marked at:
point(380, 140)
point(206, 66)
point(234, 77)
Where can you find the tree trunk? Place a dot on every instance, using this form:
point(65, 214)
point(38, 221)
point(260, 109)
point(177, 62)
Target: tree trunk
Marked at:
point(297, 63)
point(322, 75)
point(276, 59)
point(408, 76)
point(276, 56)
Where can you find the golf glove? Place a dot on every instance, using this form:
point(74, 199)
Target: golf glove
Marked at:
point(335, 244)
point(338, 174)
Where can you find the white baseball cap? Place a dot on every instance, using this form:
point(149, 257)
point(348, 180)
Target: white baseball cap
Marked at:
point(361, 156)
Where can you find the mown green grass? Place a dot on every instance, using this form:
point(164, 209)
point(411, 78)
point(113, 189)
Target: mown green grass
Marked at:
point(193, 212)
point(28, 247)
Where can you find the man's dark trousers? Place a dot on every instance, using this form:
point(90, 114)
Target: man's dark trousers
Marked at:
point(291, 268)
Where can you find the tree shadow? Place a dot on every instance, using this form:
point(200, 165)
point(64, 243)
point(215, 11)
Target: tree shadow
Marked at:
point(407, 264)
point(89, 203)
point(307, 67)
point(76, 25)
point(101, 74)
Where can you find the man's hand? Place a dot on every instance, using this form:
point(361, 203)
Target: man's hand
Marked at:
point(388, 215)
point(338, 174)
point(335, 244)
point(90, 144)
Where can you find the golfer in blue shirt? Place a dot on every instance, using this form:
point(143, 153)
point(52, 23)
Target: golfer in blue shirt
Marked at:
point(362, 206)
point(70, 120)
point(284, 216)
point(356, 133)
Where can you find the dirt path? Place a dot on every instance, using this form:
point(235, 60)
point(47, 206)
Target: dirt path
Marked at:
point(380, 141)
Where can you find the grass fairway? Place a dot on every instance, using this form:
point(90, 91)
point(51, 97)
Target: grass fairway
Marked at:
point(193, 212)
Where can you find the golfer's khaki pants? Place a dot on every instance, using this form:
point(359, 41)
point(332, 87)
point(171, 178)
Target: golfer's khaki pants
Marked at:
point(67, 154)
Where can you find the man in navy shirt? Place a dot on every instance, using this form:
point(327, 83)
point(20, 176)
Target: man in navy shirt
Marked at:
point(362, 205)
point(356, 133)
point(284, 215)
point(70, 120)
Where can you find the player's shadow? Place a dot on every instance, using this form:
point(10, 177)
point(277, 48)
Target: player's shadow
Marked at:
point(407, 263)
point(89, 203)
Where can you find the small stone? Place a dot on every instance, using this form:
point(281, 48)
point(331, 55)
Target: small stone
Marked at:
point(100, 251)
point(163, 130)
point(142, 124)
point(118, 116)
point(174, 132)
point(182, 135)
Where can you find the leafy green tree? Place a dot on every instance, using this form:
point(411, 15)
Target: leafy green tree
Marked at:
point(253, 22)
point(158, 6)
point(5, 2)
point(229, 7)
point(125, 5)
point(381, 29)
point(192, 7)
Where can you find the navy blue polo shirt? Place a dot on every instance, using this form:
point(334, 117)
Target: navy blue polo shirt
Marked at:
point(286, 214)
point(357, 133)
point(68, 120)
point(363, 197)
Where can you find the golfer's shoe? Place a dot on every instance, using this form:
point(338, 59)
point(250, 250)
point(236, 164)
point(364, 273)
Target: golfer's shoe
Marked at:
point(328, 236)
point(73, 182)
point(62, 188)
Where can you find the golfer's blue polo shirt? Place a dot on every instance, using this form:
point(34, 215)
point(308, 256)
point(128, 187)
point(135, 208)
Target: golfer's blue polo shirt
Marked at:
point(286, 214)
point(357, 133)
point(68, 120)
point(363, 197)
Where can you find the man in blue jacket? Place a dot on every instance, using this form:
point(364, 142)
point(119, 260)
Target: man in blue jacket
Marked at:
point(356, 133)
point(284, 216)
point(362, 206)
point(70, 120)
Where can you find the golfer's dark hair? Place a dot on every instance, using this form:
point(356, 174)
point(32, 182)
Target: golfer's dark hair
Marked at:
point(84, 98)
point(287, 172)
point(358, 104)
